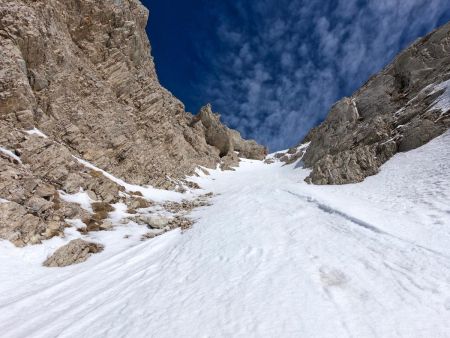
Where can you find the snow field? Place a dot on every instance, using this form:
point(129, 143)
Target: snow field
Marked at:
point(272, 256)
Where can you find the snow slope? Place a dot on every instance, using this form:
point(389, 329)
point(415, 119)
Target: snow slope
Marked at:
point(272, 257)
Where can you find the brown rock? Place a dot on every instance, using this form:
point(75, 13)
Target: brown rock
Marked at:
point(216, 133)
point(74, 252)
point(247, 148)
point(137, 203)
point(18, 226)
point(225, 139)
point(230, 161)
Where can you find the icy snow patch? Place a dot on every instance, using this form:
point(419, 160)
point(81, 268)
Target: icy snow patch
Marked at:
point(37, 132)
point(76, 223)
point(303, 146)
point(443, 101)
point(10, 154)
point(81, 198)
point(119, 213)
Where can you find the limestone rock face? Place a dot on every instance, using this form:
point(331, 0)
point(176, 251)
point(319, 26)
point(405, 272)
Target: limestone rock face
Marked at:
point(247, 148)
point(74, 252)
point(225, 139)
point(33, 209)
point(401, 108)
point(81, 72)
point(216, 134)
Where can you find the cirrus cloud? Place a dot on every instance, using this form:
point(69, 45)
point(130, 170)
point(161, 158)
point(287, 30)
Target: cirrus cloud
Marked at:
point(274, 68)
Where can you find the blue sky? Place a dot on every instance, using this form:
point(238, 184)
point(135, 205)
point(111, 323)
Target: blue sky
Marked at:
point(273, 68)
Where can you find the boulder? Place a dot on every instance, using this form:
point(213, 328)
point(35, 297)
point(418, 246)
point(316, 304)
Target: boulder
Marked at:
point(74, 252)
point(154, 221)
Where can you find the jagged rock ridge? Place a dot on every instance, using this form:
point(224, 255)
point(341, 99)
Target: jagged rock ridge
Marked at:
point(401, 108)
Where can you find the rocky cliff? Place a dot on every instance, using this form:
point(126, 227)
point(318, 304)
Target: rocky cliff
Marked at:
point(401, 108)
point(80, 72)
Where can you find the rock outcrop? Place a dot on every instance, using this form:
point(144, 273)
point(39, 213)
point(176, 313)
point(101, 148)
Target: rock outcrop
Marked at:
point(401, 108)
point(216, 134)
point(74, 252)
point(77, 81)
point(225, 139)
point(81, 72)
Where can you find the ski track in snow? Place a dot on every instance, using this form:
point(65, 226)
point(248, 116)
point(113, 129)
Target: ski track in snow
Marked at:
point(272, 257)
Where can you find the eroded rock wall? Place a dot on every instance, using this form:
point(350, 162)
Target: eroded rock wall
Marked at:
point(401, 108)
point(81, 72)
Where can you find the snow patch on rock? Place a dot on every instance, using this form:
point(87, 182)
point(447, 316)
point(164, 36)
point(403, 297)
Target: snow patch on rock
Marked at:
point(36, 132)
point(82, 198)
point(148, 192)
point(10, 154)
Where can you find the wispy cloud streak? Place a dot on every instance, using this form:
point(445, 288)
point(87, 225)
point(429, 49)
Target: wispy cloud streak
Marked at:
point(275, 67)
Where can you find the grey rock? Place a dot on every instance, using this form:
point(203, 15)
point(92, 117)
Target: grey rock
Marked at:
point(153, 221)
point(392, 112)
point(420, 132)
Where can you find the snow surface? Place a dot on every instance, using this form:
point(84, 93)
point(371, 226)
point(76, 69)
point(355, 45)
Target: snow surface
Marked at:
point(272, 257)
point(81, 197)
point(37, 132)
point(443, 101)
